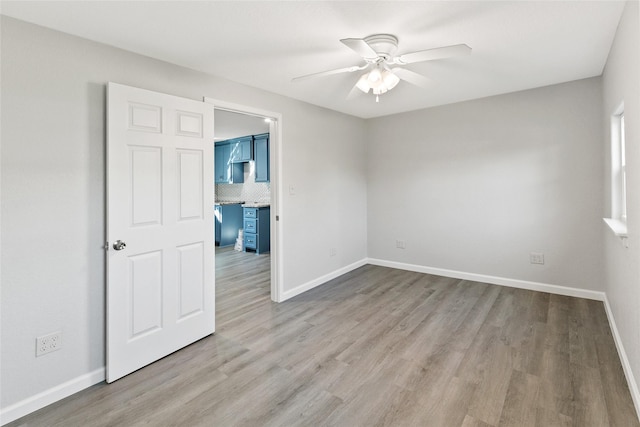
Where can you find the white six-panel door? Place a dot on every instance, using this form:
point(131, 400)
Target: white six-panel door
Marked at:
point(160, 285)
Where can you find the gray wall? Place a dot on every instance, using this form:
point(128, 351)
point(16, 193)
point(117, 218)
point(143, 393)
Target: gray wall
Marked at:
point(53, 220)
point(476, 186)
point(621, 82)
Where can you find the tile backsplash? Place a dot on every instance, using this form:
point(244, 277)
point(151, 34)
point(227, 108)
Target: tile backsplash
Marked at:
point(249, 191)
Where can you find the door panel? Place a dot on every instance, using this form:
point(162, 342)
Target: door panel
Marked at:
point(189, 124)
point(160, 287)
point(190, 184)
point(191, 268)
point(145, 172)
point(145, 293)
point(145, 118)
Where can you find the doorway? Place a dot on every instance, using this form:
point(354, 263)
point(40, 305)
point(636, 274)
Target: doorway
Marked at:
point(236, 121)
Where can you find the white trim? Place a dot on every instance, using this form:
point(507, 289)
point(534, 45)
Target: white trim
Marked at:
point(618, 226)
point(276, 226)
point(47, 397)
point(618, 169)
point(626, 367)
point(275, 172)
point(321, 280)
point(502, 281)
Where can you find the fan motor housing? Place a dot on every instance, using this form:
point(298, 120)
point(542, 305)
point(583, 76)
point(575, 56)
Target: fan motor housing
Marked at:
point(384, 45)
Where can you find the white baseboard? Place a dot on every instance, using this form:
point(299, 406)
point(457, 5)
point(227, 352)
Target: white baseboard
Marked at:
point(47, 397)
point(626, 367)
point(503, 281)
point(320, 280)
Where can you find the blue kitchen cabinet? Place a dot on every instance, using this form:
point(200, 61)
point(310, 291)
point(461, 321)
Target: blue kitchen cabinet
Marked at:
point(228, 221)
point(241, 149)
point(217, 215)
point(261, 156)
point(227, 172)
point(257, 229)
point(220, 170)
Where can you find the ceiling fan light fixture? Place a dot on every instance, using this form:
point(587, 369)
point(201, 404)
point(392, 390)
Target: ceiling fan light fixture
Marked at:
point(378, 80)
point(375, 75)
point(389, 79)
point(363, 83)
point(380, 89)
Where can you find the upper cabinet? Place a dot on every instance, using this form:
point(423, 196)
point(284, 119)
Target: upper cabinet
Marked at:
point(241, 149)
point(230, 156)
point(227, 172)
point(218, 154)
point(261, 155)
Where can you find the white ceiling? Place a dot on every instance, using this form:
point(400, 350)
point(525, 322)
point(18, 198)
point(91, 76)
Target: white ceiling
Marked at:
point(516, 45)
point(233, 125)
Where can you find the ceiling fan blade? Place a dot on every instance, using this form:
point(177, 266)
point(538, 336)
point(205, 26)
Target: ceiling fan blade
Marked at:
point(354, 92)
point(412, 77)
point(331, 72)
point(431, 54)
point(360, 47)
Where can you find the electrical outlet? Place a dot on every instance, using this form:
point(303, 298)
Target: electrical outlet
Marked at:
point(48, 343)
point(400, 244)
point(536, 258)
point(333, 252)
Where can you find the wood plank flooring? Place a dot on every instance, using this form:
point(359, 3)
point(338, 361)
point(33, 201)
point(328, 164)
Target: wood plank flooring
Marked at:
point(375, 347)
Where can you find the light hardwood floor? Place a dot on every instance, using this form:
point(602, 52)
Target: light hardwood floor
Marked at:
point(375, 347)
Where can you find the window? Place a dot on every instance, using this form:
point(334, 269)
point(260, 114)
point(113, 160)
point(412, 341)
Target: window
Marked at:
point(618, 220)
point(623, 170)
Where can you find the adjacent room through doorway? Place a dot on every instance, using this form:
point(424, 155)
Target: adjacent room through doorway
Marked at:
point(243, 211)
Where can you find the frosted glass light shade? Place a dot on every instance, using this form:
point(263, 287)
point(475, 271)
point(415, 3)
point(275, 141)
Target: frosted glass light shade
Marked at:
point(390, 80)
point(363, 83)
point(380, 81)
point(375, 75)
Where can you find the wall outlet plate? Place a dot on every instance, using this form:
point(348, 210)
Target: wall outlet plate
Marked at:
point(536, 258)
point(48, 343)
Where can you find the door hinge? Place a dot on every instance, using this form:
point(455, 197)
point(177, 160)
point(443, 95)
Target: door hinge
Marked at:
point(106, 246)
point(277, 217)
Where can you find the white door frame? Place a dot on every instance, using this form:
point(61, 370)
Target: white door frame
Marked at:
point(275, 174)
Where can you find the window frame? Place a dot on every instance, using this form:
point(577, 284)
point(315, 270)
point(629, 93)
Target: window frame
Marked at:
point(623, 168)
point(618, 220)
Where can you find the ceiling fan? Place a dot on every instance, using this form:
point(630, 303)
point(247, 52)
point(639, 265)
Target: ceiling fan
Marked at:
point(385, 69)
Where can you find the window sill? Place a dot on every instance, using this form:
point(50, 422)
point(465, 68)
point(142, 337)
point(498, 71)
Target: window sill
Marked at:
point(618, 227)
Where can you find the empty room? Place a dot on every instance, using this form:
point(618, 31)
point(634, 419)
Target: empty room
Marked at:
point(320, 213)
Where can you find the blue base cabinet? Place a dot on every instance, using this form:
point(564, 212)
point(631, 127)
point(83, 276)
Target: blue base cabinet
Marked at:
point(228, 222)
point(257, 229)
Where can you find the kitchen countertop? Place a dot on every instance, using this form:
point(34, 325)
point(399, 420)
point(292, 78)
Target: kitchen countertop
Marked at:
point(256, 205)
point(229, 203)
point(244, 204)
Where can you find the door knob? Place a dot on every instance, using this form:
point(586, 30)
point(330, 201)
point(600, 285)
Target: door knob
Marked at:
point(119, 245)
